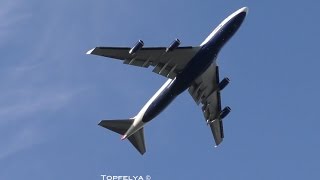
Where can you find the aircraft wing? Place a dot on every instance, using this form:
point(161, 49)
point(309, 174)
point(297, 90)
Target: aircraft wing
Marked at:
point(206, 90)
point(165, 63)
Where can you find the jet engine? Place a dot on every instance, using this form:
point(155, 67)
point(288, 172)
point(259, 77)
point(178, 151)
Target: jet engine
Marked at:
point(223, 83)
point(225, 112)
point(173, 45)
point(136, 47)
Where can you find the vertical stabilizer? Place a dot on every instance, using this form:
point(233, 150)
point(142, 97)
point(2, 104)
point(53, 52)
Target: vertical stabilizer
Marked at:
point(121, 127)
point(137, 140)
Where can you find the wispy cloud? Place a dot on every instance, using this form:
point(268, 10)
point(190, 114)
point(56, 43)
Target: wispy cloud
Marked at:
point(20, 106)
point(27, 90)
point(11, 107)
point(33, 77)
point(31, 101)
point(28, 87)
point(10, 16)
point(20, 140)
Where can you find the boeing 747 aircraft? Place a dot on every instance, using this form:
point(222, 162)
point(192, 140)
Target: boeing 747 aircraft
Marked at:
point(192, 68)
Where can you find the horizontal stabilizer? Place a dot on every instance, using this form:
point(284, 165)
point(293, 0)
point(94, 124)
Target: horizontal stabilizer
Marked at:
point(118, 126)
point(121, 127)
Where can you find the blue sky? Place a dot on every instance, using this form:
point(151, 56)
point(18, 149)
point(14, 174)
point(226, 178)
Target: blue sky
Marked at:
point(53, 94)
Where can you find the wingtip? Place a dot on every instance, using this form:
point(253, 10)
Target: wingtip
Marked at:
point(142, 153)
point(123, 137)
point(100, 123)
point(90, 51)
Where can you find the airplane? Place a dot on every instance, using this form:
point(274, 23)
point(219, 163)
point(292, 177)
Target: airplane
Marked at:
point(193, 68)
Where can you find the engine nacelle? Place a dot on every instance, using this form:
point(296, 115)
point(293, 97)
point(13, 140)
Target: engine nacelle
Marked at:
point(136, 47)
point(173, 45)
point(225, 112)
point(223, 83)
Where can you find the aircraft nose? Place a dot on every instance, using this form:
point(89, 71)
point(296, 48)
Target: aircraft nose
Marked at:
point(241, 13)
point(245, 9)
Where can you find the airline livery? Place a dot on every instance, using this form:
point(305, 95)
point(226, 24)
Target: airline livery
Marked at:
point(192, 68)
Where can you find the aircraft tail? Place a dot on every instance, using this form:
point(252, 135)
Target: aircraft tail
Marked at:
point(121, 127)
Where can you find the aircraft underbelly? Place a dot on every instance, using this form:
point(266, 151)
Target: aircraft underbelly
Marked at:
point(195, 68)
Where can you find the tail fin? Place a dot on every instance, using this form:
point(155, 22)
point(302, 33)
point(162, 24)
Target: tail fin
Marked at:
point(121, 127)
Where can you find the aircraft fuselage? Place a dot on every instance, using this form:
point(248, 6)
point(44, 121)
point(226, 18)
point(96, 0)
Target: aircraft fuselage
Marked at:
point(197, 65)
